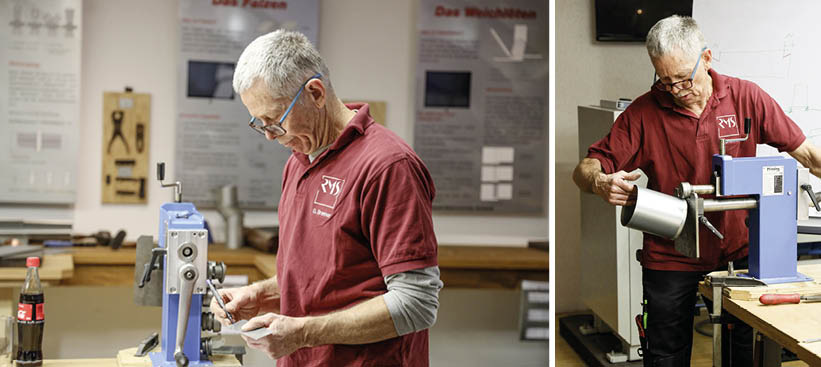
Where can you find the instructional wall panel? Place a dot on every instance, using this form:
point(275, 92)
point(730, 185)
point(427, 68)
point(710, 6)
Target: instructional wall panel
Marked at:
point(40, 52)
point(214, 145)
point(481, 103)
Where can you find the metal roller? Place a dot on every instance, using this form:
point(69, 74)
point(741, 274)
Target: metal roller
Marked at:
point(656, 213)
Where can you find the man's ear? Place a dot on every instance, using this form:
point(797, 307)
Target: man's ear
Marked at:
point(316, 89)
point(708, 58)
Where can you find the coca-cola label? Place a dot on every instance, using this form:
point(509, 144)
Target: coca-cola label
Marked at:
point(24, 311)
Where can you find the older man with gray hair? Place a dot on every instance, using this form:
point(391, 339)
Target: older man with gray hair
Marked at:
point(670, 133)
point(357, 275)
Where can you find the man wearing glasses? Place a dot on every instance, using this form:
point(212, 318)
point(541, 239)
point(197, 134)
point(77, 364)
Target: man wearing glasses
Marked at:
point(670, 133)
point(357, 276)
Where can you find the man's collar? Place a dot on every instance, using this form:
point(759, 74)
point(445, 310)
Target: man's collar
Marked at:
point(355, 128)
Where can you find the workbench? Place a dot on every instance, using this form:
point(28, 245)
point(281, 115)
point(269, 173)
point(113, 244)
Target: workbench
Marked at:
point(787, 325)
point(483, 267)
point(126, 359)
point(461, 266)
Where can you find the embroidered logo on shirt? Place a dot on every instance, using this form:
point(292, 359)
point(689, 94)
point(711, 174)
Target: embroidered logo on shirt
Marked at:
point(329, 191)
point(727, 126)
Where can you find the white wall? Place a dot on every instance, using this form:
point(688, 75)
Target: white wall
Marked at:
point(369, 46)
point(586, 71)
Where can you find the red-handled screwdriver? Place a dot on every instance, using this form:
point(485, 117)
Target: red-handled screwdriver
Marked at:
point(777, 299)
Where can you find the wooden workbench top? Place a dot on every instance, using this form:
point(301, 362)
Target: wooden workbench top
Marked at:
point(126, 358)
point(55, 267)
point(459, 257)
point(461, 266)
point(789, 325)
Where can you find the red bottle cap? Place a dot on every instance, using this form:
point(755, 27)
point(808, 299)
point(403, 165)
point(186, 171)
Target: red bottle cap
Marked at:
point(33, 262)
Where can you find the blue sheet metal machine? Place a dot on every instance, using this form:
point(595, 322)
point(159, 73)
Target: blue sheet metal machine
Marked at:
point(773, 222)
point(771, 189)
point(183, 248)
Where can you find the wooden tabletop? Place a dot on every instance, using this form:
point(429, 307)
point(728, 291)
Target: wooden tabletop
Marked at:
point(459, 257)
point(461, 266)
point(789, 325)
point(54, 268)
point(126, 358)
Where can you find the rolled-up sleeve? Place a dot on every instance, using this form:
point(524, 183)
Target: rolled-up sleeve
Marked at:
point(617, 150)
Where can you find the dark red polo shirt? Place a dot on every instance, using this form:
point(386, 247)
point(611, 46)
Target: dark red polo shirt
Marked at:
point(672, 145)
point(359, 212)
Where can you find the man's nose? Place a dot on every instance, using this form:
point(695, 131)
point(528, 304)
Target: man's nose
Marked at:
point(270, 135)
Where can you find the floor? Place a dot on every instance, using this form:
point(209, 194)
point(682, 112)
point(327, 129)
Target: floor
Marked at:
point(702, 352)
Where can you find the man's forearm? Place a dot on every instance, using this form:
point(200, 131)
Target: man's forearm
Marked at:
point(810, 157)
point(586, 173)
point(367, 322)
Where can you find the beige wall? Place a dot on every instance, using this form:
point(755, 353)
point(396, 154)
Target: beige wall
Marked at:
point(586, 71)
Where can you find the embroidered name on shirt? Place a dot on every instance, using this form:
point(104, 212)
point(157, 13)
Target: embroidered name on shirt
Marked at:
point(328, 192)
point(727, 126)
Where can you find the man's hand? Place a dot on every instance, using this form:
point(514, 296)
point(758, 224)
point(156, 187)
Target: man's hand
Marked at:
point(615, 188)
point(286, 334)
point(245, 302)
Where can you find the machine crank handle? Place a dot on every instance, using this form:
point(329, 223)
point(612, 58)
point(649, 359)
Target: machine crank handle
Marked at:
point(177, 185)
point(188, 277)
point(156, 254)
point(709, 226)
point(808, 189)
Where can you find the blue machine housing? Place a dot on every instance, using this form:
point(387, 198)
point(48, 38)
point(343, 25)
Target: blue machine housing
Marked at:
point(179, 216)
point(773, 254)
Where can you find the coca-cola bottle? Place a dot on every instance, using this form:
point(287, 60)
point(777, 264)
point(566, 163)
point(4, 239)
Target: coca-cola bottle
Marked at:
point(30, 318)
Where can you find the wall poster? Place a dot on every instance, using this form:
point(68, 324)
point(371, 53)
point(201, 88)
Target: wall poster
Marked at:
point(214, 145)
point(481, 103)
point(40, 53)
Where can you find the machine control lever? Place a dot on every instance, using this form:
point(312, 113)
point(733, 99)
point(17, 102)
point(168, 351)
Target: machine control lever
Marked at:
point(154, 264)
point(709, 226)
point(808, 189)
point(188, 276)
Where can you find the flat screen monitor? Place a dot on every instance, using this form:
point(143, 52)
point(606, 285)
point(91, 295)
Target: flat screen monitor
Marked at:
point(447, 89)
point(630, 20)
point(210, 79)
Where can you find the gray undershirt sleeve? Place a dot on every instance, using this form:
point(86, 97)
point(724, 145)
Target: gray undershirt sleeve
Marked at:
point(413, 299)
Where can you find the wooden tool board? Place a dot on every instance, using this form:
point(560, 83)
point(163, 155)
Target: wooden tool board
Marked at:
point(126, 136)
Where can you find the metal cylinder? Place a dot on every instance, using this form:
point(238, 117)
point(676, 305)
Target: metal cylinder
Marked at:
point(228, 206)
point(716, 205)
point(654, 212)
point(228, 196)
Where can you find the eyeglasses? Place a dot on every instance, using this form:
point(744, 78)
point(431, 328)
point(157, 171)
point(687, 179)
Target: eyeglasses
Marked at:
point(681, 84)
point(277, 128)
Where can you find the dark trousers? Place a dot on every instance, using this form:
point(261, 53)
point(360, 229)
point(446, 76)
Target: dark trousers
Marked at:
point(671, 299)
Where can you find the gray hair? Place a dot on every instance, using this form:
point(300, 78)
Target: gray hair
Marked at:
point(675, 33)
point(283, 60)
